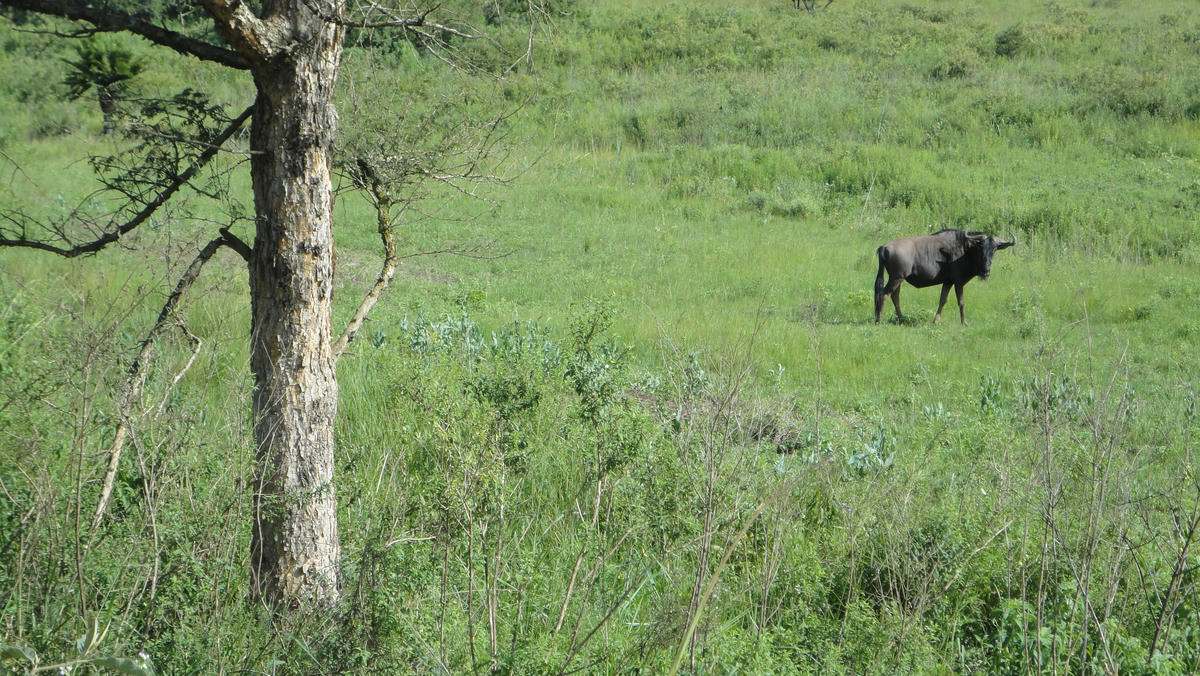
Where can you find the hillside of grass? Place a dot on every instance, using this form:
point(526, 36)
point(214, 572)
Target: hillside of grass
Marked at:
point(649, 424)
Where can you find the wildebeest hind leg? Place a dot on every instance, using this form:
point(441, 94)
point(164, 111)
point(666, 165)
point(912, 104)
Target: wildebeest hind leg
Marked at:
point(893, 289)
point(880, 293)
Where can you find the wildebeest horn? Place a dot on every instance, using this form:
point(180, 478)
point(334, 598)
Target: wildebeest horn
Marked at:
point(1012, 239)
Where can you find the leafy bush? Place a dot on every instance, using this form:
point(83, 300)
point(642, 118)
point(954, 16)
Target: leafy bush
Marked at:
point(1011, 41)
point(1124, 91)
point(956, 62)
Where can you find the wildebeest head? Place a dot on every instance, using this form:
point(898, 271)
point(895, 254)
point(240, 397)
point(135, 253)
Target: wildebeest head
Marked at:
point(981, 248)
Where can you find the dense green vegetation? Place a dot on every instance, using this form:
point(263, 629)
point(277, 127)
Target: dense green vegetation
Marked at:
point(655, 426)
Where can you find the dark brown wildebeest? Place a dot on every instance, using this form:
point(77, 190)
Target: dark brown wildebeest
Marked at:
point(947, 257)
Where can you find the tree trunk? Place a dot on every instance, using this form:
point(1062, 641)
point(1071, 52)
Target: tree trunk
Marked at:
point(294, 548)
point(108, 105)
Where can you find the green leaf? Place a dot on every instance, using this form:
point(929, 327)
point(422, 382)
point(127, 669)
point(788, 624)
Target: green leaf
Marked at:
point(12, 652)
point(126, 665)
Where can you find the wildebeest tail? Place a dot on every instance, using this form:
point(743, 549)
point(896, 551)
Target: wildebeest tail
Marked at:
point(881, 252)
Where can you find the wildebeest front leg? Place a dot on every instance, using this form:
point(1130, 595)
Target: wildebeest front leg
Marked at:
point(962, 313)
point(937, 318)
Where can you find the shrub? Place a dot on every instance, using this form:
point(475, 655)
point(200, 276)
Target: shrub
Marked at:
point(957, 62)
point(1126, 91)
point(1011, 41)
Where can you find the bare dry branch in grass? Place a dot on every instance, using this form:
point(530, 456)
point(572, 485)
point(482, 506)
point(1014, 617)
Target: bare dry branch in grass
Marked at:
point(136, 376)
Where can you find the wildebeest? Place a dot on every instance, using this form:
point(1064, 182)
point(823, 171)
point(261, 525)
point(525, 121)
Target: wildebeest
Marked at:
point(947, 257)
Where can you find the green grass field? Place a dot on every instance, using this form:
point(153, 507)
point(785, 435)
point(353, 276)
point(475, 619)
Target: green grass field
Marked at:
point(654, 424)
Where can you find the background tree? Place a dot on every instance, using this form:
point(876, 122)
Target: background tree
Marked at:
point(106, 67)
point(292, 50)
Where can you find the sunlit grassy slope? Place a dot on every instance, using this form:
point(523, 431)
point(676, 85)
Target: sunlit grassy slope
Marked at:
point(713, 169)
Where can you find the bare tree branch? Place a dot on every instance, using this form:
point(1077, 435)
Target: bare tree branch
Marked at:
point(136, 377)
point(107, 20)
point(810, 5)
point(365, 177)
point(197, 344)
point(383, 207)
point(370, 10)
point(393, 171)
point(234, 242)
point(20, 236)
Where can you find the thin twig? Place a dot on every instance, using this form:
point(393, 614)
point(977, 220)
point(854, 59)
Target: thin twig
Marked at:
point(958, 573)
point(716, 574)
point(401, 541)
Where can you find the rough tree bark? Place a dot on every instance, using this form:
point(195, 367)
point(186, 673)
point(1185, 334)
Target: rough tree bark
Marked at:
point(295, 56)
